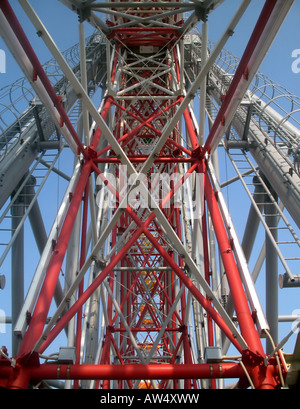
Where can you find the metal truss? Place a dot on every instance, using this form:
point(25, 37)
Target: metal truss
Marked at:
point(143, 282)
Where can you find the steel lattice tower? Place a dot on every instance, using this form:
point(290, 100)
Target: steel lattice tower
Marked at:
point(143, 281)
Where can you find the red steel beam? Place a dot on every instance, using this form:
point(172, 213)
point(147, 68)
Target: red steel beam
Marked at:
point(159, 371)
point(124, 372)
point(244, 316)
point(262, 377)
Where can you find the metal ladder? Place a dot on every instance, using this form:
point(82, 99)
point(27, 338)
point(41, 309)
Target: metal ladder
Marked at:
point(276, 223)
point(14, 214)
point(263, 198)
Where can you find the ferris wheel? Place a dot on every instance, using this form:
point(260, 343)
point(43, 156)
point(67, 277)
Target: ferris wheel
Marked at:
point(133, 257)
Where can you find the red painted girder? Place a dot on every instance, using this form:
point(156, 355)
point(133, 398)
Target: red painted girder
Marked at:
point(142, 159)
point(130, 372)
point(147, 329)
point(249, 332)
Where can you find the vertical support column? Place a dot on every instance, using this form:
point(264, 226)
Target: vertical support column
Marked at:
point(253, 220)
point(17, 269)
point(271, 274)
point(84, 83)
point(203, 83)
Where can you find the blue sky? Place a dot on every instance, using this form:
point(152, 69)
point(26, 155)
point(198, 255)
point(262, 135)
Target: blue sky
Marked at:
point(63, 26)
point(277, 64)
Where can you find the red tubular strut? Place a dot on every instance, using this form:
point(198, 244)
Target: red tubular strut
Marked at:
point(248, 330)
